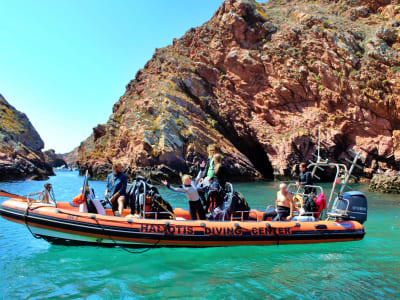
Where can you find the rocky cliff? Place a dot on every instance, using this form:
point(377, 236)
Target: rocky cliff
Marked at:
point(258, 80)
point(71, 157)
point(53, 159)
point(21, 147)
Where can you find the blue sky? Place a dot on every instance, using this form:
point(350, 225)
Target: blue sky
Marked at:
point(65, 63)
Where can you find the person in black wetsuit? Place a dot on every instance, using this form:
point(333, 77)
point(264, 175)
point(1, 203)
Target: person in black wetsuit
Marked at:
point(305, 178)
point(219, 170)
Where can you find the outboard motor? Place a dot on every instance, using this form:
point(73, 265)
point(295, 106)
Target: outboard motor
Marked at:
point(351, 206)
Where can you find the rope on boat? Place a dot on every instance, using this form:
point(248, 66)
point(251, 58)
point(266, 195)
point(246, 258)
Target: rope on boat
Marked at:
point(28, 207)
point(29, 203)
point(26, 222)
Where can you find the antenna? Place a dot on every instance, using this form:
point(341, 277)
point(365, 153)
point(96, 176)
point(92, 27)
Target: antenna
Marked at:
point(319, 139)
point(318, 157)
point(353, 164)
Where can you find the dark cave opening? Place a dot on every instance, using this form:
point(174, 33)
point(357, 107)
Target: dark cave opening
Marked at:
point(247, 145)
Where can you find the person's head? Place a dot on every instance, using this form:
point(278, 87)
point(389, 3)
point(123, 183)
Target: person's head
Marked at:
point(303, 167)
point(283, 188)
point(117, 167)
point(186, 180)
point(217, 158)
point(212, 149)
point(48, 187)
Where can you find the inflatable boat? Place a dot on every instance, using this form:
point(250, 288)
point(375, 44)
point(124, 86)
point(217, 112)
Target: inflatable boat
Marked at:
point(62, 223)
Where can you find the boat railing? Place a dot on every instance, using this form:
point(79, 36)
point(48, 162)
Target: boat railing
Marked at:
point(300, 190)
point(145, 200)
point(339, 208)
point(342, 176)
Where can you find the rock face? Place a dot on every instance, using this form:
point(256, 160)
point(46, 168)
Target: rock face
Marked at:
point(71, 157)
point(258, 80)
point(21, 147)
point(53, 159)
point(388, 182)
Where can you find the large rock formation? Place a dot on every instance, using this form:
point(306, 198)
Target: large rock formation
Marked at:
point(71, 157)
point(388, 182)
point(21, 147)
point(258, 80)
point(53, 159)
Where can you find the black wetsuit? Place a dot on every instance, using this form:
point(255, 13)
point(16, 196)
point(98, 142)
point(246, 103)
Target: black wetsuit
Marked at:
point(305, 178)
point(220, 175)
point(279, 213)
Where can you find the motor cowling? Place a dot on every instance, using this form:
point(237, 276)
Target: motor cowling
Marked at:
point(355, 206)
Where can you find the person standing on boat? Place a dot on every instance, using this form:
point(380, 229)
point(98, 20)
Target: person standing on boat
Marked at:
point(305, 178)
point(116, 189)
point(207, 169)
point(284, 205)
point(216, 191)
point(219, 169)
point(189, 188)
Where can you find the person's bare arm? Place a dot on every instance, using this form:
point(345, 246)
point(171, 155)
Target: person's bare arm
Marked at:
point(277, 200)
point(289, 196)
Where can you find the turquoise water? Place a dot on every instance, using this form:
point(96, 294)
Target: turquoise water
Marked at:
point(368, 269)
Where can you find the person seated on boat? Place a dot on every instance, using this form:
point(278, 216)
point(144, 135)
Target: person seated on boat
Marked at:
point(116, 189)
point(189, 188)
point(207, 168)
point(45, 194)
point(93, 203)
point(284, 205)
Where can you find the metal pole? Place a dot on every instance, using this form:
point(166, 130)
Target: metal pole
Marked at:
point(346, 179)
point(319, 132)
point(85, 183)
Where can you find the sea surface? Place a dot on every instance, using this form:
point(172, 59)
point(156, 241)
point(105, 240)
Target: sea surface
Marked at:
point(369, 269)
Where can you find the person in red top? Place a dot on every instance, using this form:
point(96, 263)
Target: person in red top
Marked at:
point(320, 204)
